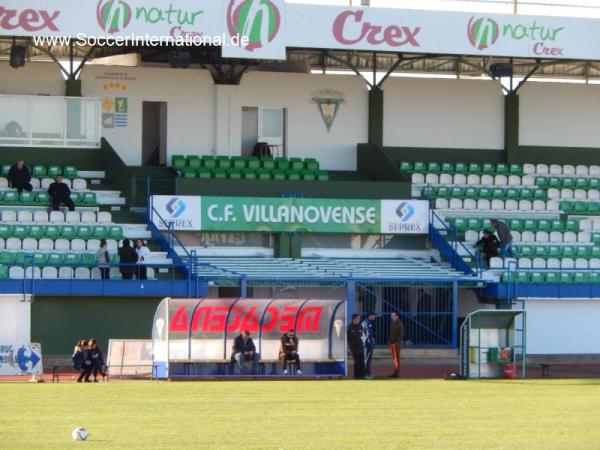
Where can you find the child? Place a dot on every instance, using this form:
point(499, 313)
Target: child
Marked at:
point(78, 362)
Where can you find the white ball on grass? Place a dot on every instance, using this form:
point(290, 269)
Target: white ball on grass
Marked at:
point(79, 434)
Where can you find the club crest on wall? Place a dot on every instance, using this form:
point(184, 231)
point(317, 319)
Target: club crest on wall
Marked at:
point(328, 102)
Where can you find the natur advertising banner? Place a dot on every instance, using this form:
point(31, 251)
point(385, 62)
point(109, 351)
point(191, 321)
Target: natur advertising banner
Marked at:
point(303, 215)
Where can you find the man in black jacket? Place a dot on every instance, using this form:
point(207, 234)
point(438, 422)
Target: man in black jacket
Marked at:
point(19, 177)
point(488, 245)
point(505, 237)
point(355, 337)
point(288, 351)
point(245, 350)
point(128, 258)
point(60, 194)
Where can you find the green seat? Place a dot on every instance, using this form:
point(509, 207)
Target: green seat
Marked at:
point(293, 175)
point(516, 224)
point(264, 175)
point(419, 167)
point(434, 167)
point(525, 251)
point(474, 224)
point(69, 231)
point(115, 258)
point(457, 192)
point(76, 197)
point(594, 183)
point(20, 231)
point(461, 224)
point(253, 163)
point(448, 167)
point(89, 198)
point(541, 182)
point(219, 173)
point(238, 163)
point(572, 225)
point(178, 162)
point(526, 194)
point(530, 225)
point(223, 162)
point(566, 277)
point(557, 225)
point(39, 258)
point(406, 166)
point(498, 193)
point(461, 167)
point(443, 192)
point(36, 231)
point(4, 170)
point(472, 192)
point(115, 232)
point(488, 168)
point(72, 259)
point(541, 251)
point(38, 171)
point(311, 164)
point(204, 173)
point(7, 257)
point(582, 183)
point(595, 253)
point(309, 176)
point(194, 162)
point(249, 174)
point(566, 206)
point(53, 171)
point(512, 194)
point(584, 251)
point(568, 251)
point(100, 232)
point(10, 197)
point(70, 172)
point(568, 183)
point(555, 251)
point(52, 232)
point(516, 169)
point(209, 162)
point(279, 175)
point(188, 173)
point(296, 164)
point(485, 193)
point(267, 163)
point(5, 231)
point(322, 175)
point(581, 277)
point(88, 259)
point(42, 198)
point(234, 174)
point(21, 258)
point(3, 272)
point(502, 169)
point(475, 168)
point(544, 225)
point(594, 277)
point(26, 197)
point(486, 224)
point(593, 207)
point(428, 192)
point(284, 164)
point(536, 277)
point(540, 194)
point(522, 277)
point(55, 259)
point(552, 277)
point(554, 182)
point(580, 207)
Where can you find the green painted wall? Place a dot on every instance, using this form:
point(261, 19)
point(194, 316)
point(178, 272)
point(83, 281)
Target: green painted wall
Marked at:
point(444, 154)
point(82, 158)
point(58, 322)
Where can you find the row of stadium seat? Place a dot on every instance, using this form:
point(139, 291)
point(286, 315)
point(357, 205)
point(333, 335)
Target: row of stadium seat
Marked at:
point(262, 174)
point(58, 244)
point(551, 277)
point(498, 168)
point(52, 259)
point(42, 198)
point(545, 263)
point(40, 171)
point(554, 237)
point(181, 162)
point(25, 216)
point(513, 181)
point(486, 193)
point(556, 251)
point(520, 206)
point(62, 273)
point(64, 231)
point(463, 224)
point(77, 184)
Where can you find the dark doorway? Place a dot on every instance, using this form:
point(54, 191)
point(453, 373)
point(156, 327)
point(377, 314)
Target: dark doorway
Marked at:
point(154, 133)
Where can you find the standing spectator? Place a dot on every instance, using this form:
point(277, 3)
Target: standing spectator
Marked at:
point(488, 245)
point(78, 362)
point(368, 326)
point(288, 351)
point(355, 338)
point(143, 254)
point(505, 237)
point(60, 194)
point(245, 350)
point(19, 177)
point(128, 258)
point(87, 363)
point(103, 259)
point(97, 359)
point(395, 342)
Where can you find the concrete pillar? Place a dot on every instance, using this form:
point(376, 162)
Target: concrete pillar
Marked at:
point(511, 127)
point(376, 116)
point(228, 120)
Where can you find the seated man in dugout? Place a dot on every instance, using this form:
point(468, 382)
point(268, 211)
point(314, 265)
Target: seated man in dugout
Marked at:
point(288, 351)
point(244, 350)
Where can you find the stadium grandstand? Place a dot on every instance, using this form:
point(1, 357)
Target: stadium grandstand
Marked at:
point(357, 156)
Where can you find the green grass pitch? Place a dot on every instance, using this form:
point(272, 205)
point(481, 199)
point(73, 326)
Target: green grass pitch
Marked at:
point(384, 414)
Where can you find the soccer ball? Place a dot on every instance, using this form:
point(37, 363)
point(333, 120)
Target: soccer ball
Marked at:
point(79, 434)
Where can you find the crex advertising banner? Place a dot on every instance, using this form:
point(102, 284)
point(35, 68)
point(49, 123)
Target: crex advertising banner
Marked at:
point(307, 215)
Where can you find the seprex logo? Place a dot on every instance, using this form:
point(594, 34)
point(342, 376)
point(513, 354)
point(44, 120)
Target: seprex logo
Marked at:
point(176, 207)
point(482, 32)
point(405, 211)
point(113, 15)
point(258, 21)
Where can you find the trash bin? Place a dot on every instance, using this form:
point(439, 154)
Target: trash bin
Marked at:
point(510, 371)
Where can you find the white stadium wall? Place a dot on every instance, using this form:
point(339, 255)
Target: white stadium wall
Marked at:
point(559, 115)
point(33, 79)
point(15, 319)
point(443, 113)
point(563, 326)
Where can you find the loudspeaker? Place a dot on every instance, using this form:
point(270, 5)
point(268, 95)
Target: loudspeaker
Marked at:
point(500, 70)
point(18, 55)
point(180, 59)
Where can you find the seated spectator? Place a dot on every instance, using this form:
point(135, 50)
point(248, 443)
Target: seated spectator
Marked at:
point(60, 194)
point(245, 350)
point(488, 245)
point(103, 259)
point(288, 351)
point(143, 254)
point(128, 258)
point(19, 177)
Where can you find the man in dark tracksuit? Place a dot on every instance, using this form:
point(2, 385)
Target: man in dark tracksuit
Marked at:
point(488, 245)
point(368, 326)
point(60, 194)
point(19, 177)
point(128, 258)
point(244, 350)
point(505, 237)
point(354, 335)
point(288, 351)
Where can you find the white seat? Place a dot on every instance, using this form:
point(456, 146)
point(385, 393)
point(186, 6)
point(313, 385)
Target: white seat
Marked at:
point(566, 194)
point(112, 245)
point(62, 245)
point(552, 205)
point(542, 169)
point(445, 179)
point(553, 263)
point(3, 183)
point(33, 272)
point(516, 236)
point(46, 245)
point(79, 184)
point(65, 273)
point(82, 273)
point(487, 180)
point(556, 237)
point(30, 244)
point(417, 178)
point(13, 244)
point(586, 224)
point(594, 263)
point(583, 237)
point(501, 180)
point(49, 273)
point(104, 217)
point(524, 263)
point(46, 182)
point(511, 205)
point(514, 180)
point(596, 225)
point(594, 170)
point(150, 273)
point(528, 169)
point(470, 204)
point(40, 216)
point(93, 245)
point(524, 205)
point(471, 236)
point(528, 180)
point(67, 182)
point(539, 205)
point(581, 171)
point(498, 205)
point(581, 263)
point(580, 194)
point(25, 216)
point(95, 273)
point(35, 183)
point(541, 236)
point(555, 169)
point(441, 203)
point(57, 217)
point(510, 263)
point(483, 204)
point(16, 273)
point(593, 194)
point(9, 216)
point(553, 193)
point(538, 263)
point(88, 217)
point(496, 263)
point(568, 170)
point(72, 217)
point(456, 203)
point(78, 245)
point(527, 236)
point(431, 178)
point(460, 179)
point(2, 243)
point(569, 237)
point(473, 180)
point(567, 263)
